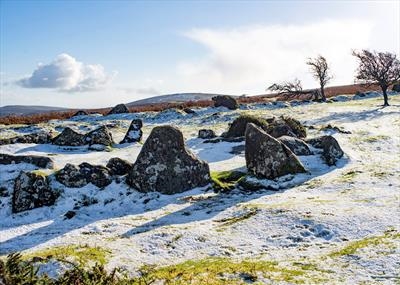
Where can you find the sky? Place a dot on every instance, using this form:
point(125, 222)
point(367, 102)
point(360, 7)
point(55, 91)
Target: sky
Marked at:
point(90, 54)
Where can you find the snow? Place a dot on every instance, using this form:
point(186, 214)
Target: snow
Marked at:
point(306, 218)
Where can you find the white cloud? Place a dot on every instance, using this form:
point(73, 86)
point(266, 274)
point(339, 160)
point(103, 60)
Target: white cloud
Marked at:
point(67, 74)
point(248, 59)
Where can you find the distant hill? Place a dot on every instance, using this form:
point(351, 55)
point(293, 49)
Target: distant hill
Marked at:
point(173, 98)
point(28, 110)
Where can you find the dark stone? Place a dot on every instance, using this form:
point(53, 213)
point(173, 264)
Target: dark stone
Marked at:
point(31, 191)
point(69, 137)
point(267, 157)
point(98, 175)
point(225, 101)
point(206, 134)
point(188, 111)
point(80, 113)
point(39, 161)
point(286, 126)
point(71, 176)
point(165, 165)
point(70, 214)
point(38, 138)
point(238, 149)
point(331, 150)
point(100, 136)
point(334, 128)
point(119, 109)
point(297, 146)
point(134, 133)
point(118, 166)
point(238, 127)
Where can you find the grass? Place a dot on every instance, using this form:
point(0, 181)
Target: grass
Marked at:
point(354, 246)
point(224, 181)
point(236, 219)
point(82, 254)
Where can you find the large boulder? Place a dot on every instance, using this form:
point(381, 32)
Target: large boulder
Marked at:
point(238, 127)
point(118, 166)
point(165, 165)
point(78, 176)
point(38, 138)
point(39, 161)
point(297, 146)
point(119, 109)
point(267, 157)
point(31, 190)
point(206, 134)
point(99, 137)
point(225, 101)
point(331, 150)
point(134, 133)
point(69, 137)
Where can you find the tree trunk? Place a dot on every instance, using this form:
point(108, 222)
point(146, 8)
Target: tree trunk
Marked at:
point(323, 94)
point(385, 96)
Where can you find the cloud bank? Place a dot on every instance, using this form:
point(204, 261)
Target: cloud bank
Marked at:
point(67, 74)
point(250, 58)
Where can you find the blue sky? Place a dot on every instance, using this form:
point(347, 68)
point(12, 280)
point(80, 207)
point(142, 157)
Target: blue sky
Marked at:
point(100, 53)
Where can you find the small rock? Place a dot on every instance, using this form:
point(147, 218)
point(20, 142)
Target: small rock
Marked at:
point(118, 166)
point(206, 134)
point(39, 161)
point(98, 175)
point(297, 146)
point(134, 133)
point(80, 113)
point(331, 150)
point(71, 176)
point(69, 137)
point(99, 136)
point(225, 101)
point(70, 214)
point(119, 109)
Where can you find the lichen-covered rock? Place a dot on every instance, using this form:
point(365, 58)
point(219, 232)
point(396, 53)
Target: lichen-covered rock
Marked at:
point(118, 166)
point(80, 113)
point(331, 150)
point(98, 175)
point(267, 157)
point(69, 137)
point(297, 128)
point(165, 165)
point(31, 191)
point(297, 146)
point(38, 138)
point(238, 127)
point(134, 133)
point(285, 126)
point(39, 161)
point(206, 134)
point(71, 176)
point(99, 136)
point(119, 109)
point(225, 101)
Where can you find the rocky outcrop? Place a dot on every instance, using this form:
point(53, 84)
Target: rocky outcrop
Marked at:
point(267, 157)
point(38, 138)
point(80, 113)
point(118, 166)
point(39, 161)
point(69, 137)
point(238, 127)
point(134, 133)
point(99, 138)
point(78, 176)
point(31, 190)
point(225, 101)
point(331, 150)
point(165, 165)
point(119, 109)
point(297, 146)
point(206, 134)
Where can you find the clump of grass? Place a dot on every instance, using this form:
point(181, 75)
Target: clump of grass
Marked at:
point(82, 254)
point(233, 220)
point(226, 180)
point(354, 246)
point(349, 175)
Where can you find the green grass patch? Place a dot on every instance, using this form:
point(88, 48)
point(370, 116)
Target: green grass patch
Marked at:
point(226, 180)
point(374, 241)
point(82, 254)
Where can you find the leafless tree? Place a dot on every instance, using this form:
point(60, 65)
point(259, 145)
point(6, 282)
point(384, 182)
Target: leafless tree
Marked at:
point(288, 87)
point(320, 71)
point(382, 68)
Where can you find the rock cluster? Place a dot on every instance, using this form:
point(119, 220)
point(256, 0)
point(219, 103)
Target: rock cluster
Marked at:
point(206, 134)
point(78, 176)
point(98, 137)
point(225, 101)
point(165, 165)
point(38, 138)
point(39, 161)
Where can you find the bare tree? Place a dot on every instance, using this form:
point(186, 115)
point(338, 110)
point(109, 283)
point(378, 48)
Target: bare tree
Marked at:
point(287, 87)
point(320, 71)
point(382, 68)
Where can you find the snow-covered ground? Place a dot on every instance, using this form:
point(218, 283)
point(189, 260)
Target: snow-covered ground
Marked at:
point(344, 219)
